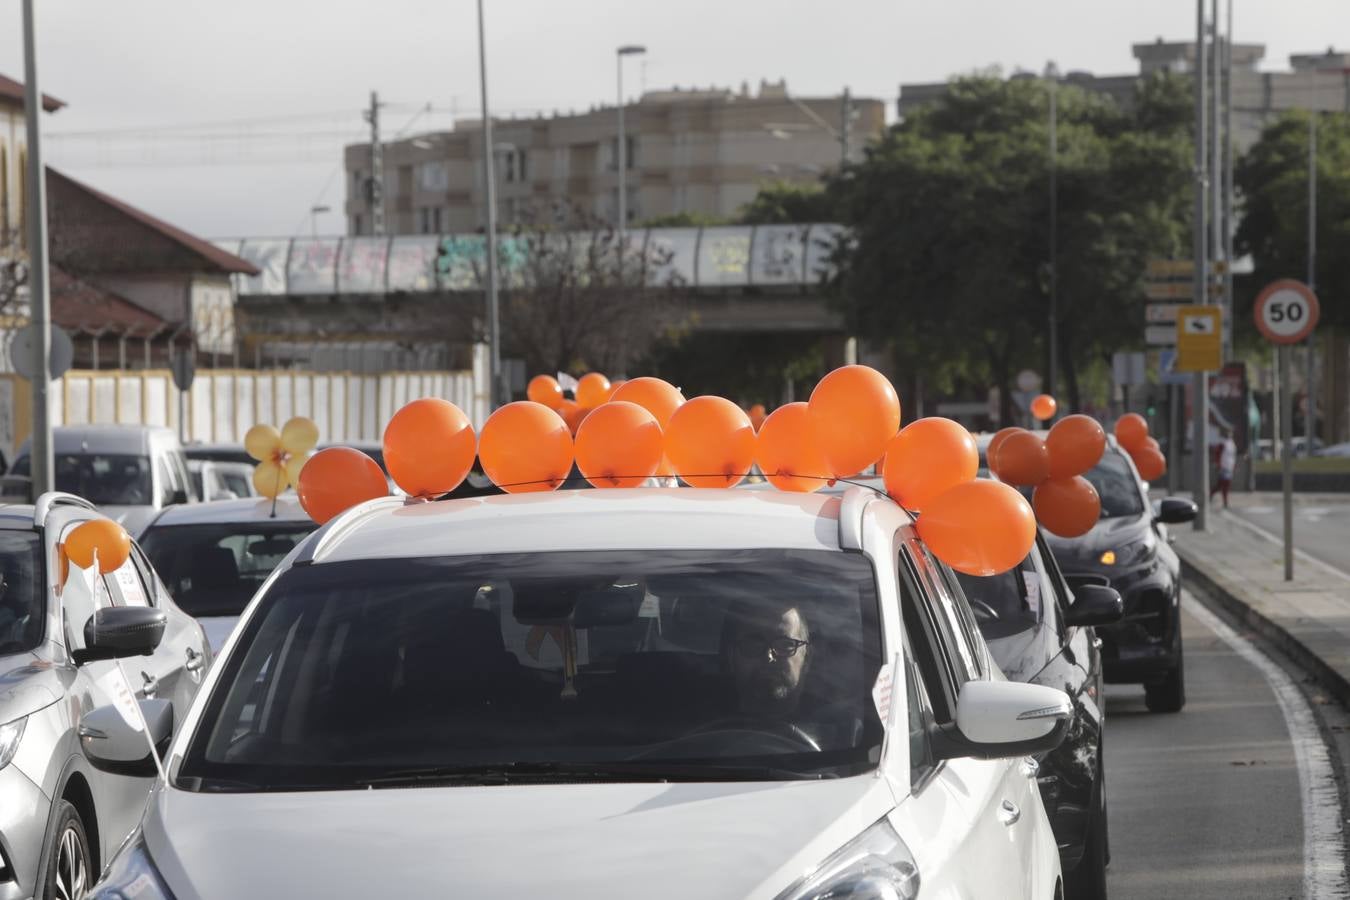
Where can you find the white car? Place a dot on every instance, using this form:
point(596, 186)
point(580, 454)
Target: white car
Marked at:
point(217, 480)
point(215, 556)
point(664, 693)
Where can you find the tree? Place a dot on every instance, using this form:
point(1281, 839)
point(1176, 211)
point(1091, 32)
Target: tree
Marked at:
point(788, 203)
point(949, 217)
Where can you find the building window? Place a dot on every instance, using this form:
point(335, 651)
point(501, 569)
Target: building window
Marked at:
point(433, 177)
point(436, 220)
point(356, 224)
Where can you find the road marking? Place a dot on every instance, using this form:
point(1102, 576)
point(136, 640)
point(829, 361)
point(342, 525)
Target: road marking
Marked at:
point(1324, 876)
point(1279, 541)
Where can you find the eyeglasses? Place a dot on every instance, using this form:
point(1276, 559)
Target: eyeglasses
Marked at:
point(775, 648)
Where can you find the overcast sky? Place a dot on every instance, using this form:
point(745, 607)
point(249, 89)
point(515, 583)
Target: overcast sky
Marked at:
point(253, 76)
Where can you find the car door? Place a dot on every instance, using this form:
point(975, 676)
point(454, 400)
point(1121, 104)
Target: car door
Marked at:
point(996, 798)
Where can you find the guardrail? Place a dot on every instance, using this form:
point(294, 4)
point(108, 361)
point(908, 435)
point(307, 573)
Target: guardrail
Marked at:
point(714, 257)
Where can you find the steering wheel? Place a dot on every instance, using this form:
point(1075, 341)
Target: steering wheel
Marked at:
point(983, 610)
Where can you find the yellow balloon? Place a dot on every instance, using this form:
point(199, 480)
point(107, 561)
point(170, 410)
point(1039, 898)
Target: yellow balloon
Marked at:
point(270, 479)
point(262, 442)
point(294, 465)
point(299, 435)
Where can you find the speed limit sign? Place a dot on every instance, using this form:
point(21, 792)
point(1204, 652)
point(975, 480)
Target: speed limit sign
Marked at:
point(1286, 311)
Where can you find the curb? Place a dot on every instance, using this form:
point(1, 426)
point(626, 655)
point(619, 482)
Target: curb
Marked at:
point(1335, 682)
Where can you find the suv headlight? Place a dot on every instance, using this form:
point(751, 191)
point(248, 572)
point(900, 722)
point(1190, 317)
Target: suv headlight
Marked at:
point(131, 875)
point(876, 865)
point(10, 733)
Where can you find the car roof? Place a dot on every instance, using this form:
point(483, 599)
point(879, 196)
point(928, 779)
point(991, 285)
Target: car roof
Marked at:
point(243, 511)
point(118, 439)
point(636, 518)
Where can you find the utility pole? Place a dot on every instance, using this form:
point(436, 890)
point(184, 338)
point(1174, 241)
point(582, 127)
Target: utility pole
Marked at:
point(495, 392)
point(39, 300)
point(622, 227)
point(1310, 423)
point(1228, 228)
point(1216, 220)
point(1200, 281)
point(1052, 85)
point(376, 166)
point(845, 115)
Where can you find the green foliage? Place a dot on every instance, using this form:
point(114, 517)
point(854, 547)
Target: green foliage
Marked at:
point(684, 220)
point(788, 203)
point(950, 217)
point(1272, 180)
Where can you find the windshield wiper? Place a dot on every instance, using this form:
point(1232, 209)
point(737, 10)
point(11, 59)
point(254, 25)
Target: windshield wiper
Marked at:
point(618, 771)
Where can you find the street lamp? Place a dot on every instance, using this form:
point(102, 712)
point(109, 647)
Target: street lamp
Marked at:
point(626, 50)
point(1052, 85)
point(314, 212)
point(490, 198)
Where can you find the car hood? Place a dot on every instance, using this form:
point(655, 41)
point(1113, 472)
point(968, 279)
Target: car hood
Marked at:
point(1107, 534)
point(28, 683)
point(132, 518)
point(592, 841)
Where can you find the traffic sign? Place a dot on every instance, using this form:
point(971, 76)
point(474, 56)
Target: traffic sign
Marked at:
point(1128, 368)
point(1167, 368)
point(1170, 268)
point(1160, 335)
point(1286, 311)
point(23, 352)
point(1168, 290)
point(1199, 337)
point(1161, 313)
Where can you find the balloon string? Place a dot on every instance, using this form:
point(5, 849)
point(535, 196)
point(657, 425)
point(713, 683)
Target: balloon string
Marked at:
point(828, 479)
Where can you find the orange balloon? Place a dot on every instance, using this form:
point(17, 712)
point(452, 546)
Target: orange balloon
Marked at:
point(788, 453)
point(619, 445)
point(103, 538)
point(711, 442)
point(525, 447)
point(660, 398)
point(546, 390)
point(1043, 407)
point(1151, 464)
point(1131, 431)
point(991, 451)
point(757, 415)
point(855, 411)
point(592, 390)
point(1152, 443)
point(1022, 460)
point(336, 479)
point(1068, 507)
point(979, 527)
point(927, 458)
point(614, 386)
point(1075, 444)
point(572, 415)
point(429, 447)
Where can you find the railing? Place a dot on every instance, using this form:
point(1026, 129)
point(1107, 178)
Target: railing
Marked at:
point(714, 257)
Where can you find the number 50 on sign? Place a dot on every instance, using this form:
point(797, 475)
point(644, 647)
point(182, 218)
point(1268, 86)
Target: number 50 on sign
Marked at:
point(1286, 311)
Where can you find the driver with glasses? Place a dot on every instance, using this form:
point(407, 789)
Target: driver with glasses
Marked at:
point(769, 649)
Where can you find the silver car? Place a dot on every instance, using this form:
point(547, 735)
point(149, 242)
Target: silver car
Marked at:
point(61, 647)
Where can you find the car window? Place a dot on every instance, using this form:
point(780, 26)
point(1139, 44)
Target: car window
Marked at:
point(926, 641)
point(147, 574)
point(168, 480)
point(1056, 578)
point(685, 662)
point(236, 482)
point(215, 569)
point(958, 632)
point(920, 721)
point(104, 479)
point(22, 588)
point(1116, 485)
point(1008, 603)
point(126, 587)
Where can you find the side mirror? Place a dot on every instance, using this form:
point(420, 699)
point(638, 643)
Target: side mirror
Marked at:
point(120, 631)
point(1095, 604)
point(112, 745)
point(1175, 511)
point(1005, 719)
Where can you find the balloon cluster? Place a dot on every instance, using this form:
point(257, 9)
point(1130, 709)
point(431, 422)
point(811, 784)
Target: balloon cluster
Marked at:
point(280, 454)
point(1132, 434)
point(621, 435)
point(1064, 501)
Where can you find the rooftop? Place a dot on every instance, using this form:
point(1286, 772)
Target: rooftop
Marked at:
point(11, 91)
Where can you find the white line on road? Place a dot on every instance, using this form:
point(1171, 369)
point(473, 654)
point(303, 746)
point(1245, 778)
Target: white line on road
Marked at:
point(1278, 540)
point(1324, 876)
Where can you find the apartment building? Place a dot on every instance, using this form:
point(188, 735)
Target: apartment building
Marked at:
point(704, 152)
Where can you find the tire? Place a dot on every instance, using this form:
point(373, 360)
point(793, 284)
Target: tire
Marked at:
point(67, 872)
point(1169, 695)
point(1087, 881)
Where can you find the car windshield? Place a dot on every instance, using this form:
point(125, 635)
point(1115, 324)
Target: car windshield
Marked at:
point(1005, 604)
point(606, 665)
point(21, 592)
point(214, 570)
point(1116, 485)
point(104, 479)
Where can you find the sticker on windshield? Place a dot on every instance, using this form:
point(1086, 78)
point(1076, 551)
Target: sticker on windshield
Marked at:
point(1033, 582)
point(881, 693)
point(123, 698)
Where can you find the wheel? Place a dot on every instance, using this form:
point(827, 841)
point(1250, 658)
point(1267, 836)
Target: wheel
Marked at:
point(1087, 881)
point(1169, 695)
point(68, 873)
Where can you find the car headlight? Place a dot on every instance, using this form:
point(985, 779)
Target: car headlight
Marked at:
point(876, 865)
point(1131, 554)
point(10, 733)
point(131, 875)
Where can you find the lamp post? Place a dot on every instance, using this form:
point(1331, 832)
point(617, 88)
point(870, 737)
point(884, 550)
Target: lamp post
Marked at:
point(39, 299)
point(1052, 85)
point(626, 50)
point(495, 392)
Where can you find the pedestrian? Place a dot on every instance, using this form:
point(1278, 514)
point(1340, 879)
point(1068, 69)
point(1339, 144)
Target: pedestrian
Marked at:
point(1227, 462)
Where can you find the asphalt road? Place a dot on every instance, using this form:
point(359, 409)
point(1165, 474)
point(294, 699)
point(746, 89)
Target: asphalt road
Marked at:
point(1207, 803)
point(1322, 530)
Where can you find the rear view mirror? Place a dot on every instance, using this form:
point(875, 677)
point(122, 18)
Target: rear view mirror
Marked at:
point(1095, 604)
point(1175, 511)
point(112, 745)
point(116, 632)
point(1005, 719)
point(274, 546)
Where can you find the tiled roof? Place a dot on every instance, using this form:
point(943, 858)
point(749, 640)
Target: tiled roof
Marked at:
point(13, 90)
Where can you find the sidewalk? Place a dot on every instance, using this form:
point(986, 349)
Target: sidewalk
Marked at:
point(1243, 570)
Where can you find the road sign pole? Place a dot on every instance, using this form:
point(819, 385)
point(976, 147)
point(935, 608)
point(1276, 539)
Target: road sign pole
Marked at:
point(1287, 461)
point(1199, 281)
point(39, 300)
